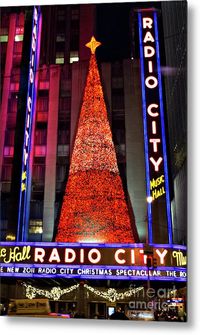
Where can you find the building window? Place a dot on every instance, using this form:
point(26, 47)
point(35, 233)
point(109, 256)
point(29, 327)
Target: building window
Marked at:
point(60, 58)
point(60, 38)
point(9, 137)
point(3, 47)
point(61, 173)
point(40, 136)
point(63, 150)
point(44, 74)
point(117, 99)
point(4, 38)
point(4, 210)
point(61, 15)
point(38, 172)
point(15, 76)
point(60, 48)
point(75, 13)
point(65, 103)
point(74, 31)
point(117, 82)
point(42, 104)
point(63, 136)
point(74, 57)
point(19, 30)
point(12, 104)
point(19, 38)
point(4, 227)
point(18, 48)
point(4, 22)
point(36, 210)
point(6, 172)
point(117, 69)
point(3, 30)
point(17, 53)
point(75, 27)
point(119, 131)
point(35, 227)
point(9, 151)
point(20, 21)
point(40, 150)
point(74, 43)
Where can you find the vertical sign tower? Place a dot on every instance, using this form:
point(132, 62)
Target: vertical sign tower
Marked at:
point(157, 183)
point(25, 190)
point(22, 161)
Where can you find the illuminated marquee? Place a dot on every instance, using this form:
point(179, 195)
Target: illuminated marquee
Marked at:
point(157, 185)
point(30, 108)
point(97, 261)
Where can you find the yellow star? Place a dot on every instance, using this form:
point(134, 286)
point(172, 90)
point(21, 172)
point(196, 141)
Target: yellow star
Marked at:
point(93, 44)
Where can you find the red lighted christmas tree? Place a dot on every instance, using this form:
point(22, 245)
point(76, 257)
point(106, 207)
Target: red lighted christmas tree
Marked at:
point(94, 207)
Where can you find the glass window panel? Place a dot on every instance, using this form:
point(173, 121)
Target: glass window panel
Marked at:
point(4, 38)
point(19, 38)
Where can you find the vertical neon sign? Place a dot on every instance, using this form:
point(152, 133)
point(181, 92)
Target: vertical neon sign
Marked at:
point(25, 191)
point(157, 183)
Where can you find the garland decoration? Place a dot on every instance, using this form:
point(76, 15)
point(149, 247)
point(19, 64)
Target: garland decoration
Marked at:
point(56, 292)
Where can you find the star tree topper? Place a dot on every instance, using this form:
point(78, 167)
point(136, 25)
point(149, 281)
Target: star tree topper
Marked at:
point(93, 44)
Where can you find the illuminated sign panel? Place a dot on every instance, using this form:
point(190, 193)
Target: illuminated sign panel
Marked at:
point(157, 184)
point(30, 108)
point(97, 261)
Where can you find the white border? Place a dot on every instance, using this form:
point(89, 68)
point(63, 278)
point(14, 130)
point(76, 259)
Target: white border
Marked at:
point(54, 326)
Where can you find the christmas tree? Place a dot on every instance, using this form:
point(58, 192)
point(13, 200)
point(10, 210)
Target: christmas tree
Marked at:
point(94, 207)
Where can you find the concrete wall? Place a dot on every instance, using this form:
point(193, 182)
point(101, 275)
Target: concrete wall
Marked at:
point(135, 164)
point(50, 169)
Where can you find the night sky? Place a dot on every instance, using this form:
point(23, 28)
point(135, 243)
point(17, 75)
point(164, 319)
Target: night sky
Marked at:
point(113, 31)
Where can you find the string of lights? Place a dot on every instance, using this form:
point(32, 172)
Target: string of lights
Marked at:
point(94, 208)
point(56, 292)
point(111, 294)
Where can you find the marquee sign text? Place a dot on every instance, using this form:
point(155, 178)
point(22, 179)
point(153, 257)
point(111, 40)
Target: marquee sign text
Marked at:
point(41, 259)
point(157, 185)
